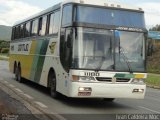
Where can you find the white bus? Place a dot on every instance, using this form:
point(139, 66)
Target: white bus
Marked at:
point(83, 49)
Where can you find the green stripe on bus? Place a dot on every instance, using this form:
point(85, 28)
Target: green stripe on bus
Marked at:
point(35, 59)
point(130, 76)
point(41, 58)
point(120, 75)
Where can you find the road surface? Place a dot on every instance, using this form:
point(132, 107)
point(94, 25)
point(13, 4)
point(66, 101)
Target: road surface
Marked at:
point(82, 109)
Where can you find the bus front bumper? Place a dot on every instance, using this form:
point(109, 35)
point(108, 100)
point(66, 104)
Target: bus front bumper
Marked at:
point(103, 90)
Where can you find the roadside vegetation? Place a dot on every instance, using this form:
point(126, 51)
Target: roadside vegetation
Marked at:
point(4, 50)
point(153, 80)
point(153, 63)
point(153, 60)
point(4, 56)
point(153, 66)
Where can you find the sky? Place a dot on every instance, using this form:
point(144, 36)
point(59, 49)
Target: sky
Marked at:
point(15, 10)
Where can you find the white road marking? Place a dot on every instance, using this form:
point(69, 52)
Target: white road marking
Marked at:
point(11, 85)
point(18, 90)
point(28, 96)
point(149, 109)
point(41, 104)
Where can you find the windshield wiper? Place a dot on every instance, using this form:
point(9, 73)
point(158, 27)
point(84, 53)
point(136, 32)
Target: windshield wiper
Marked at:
point(126, 59)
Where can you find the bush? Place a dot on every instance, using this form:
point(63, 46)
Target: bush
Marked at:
point(5, 50)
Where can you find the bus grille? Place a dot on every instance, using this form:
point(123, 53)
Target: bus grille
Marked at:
point(104, 79)
point(108, 79)
point(122, 80)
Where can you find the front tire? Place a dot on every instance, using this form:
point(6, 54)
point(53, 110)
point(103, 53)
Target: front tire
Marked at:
point(52, 82)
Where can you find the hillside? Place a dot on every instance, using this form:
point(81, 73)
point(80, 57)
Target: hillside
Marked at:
point(5, 33)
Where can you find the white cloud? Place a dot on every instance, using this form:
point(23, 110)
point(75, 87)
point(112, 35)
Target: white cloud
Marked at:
point(15, 10)
point(152, 13)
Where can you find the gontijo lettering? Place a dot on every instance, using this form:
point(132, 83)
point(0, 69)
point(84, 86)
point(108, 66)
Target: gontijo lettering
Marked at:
point(23, 47)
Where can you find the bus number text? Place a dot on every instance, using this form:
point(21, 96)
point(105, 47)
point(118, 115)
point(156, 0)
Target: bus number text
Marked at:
point(91, 74)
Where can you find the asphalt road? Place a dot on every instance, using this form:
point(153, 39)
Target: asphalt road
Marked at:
point(86, 109)
point(10, 106)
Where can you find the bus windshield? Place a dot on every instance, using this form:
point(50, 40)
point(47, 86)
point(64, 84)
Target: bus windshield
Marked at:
point(106, 16)
point(129, 51)
point(99, 49)
point(93, 49)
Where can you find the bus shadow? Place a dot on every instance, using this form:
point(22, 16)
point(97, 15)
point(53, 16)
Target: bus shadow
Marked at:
point(36, 86)
point(92, 103)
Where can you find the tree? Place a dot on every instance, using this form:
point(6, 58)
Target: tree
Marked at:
point(155, 28)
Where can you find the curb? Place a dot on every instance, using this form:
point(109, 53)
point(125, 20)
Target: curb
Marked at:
point(32, 106)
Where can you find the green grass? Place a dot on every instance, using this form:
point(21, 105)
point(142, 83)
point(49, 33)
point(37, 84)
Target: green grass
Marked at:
point(153, 80)
point(4, 56)
point(1, 58)
point(153, 69)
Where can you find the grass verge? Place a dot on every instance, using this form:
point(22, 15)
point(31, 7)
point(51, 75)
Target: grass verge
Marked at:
point(4, 58)
point(153, 80)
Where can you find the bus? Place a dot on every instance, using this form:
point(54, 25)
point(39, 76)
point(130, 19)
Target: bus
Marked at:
point(83, 49)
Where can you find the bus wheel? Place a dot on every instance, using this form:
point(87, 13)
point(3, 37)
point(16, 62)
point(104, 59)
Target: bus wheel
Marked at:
point(109, 99)
point(15, 66)
point(52, 81)
point(18, 74)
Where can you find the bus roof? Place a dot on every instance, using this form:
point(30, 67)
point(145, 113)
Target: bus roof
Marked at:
point(103, 3)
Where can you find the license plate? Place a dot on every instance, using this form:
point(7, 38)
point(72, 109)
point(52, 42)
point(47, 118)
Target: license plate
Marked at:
point(84, 93)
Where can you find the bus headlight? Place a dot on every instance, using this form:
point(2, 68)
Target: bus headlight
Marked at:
point(85, 78)
point(138, 80)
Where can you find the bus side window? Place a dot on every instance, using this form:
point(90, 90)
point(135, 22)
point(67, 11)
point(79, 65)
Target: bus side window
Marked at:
point(27, 29)
point(35, 27)
point(66, 48)
point(67, 15)
point(51, 23)
point(47, 24)
point(54, 23)
point(22, 31)
point(13, 33)
point(42, 25)
point(18, 32)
